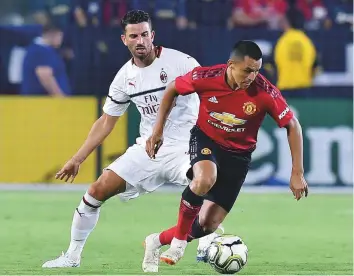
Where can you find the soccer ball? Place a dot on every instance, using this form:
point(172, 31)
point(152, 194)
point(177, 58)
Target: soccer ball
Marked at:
point(227, 254)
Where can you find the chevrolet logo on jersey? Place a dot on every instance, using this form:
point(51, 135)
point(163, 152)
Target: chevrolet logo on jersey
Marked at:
point(227, 119)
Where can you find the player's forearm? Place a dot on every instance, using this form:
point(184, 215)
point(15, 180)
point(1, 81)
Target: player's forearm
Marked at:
point(99, 131)
point(165, 108)
point(296, 145)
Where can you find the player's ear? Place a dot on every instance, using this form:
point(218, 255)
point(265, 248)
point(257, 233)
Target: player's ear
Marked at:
point(123, 39)
point(230, 63)
point(152, 36)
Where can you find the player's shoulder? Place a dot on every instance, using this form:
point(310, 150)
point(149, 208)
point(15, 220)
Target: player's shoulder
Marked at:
point(172, 53)
point(264, 86)
point(123, 74)
point(209, 72)
point(217, 67)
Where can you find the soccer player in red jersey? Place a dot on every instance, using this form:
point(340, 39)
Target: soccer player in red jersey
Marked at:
point(234, 98)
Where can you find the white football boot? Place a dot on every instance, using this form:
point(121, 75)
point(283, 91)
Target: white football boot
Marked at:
point(152, 253)
point(62, 261)
point(176, 251)
point(205, 242)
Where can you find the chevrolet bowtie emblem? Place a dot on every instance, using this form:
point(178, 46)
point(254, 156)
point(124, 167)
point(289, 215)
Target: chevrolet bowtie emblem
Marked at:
point(227, 119)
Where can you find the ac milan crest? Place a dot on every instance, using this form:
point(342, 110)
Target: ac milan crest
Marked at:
point(163, 76)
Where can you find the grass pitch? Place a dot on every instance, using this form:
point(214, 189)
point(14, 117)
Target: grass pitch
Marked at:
point(312, 236)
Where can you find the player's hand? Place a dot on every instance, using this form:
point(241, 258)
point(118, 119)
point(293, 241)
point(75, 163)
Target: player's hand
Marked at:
point(70, 170)
point(153, 144)
point(298, 185)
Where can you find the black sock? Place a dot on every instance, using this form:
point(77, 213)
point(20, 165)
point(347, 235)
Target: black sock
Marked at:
point(192, 198)
point(197, 231)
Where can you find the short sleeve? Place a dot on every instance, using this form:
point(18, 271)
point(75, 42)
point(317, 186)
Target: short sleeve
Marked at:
point(278, 108)
point(185, 84)
point(189, 63)
point(117, 100)
point(43, 57)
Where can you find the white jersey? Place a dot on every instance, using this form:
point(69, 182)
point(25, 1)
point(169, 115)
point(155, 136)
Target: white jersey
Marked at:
point(145, 88)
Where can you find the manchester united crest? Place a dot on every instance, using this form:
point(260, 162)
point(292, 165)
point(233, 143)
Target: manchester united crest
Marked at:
point(249, 108)
point(163, 76)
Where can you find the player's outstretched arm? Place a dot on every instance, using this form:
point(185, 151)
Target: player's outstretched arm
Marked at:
point(155, 140)
point(99, 131)
point(298, 183)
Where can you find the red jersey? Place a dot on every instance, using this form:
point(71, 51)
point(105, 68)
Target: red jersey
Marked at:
point(230, 117)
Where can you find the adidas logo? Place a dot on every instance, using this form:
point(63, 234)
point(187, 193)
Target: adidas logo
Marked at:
point(213, 99)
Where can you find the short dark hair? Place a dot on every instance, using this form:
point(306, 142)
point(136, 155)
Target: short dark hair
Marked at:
point(135, 17)
point(246, 48)
point(51, 28)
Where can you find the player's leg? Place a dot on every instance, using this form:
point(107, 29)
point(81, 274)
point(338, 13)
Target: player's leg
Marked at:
point(120, 177)
point(204, 174)
point(175, 160)
point(206, 223)
point(86, 216)
point(217, 204)
point(176, 165)
point(87, 213)
point(207, 226)
point(204, 177)
point(203, 228)
point(232, 171)
point(220, 200)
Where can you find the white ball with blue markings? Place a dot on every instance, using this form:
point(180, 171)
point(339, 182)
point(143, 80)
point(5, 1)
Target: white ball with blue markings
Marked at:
point(227, 254)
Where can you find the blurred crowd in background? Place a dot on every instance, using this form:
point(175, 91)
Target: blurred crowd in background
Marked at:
point(87, 34)
point(183, 13)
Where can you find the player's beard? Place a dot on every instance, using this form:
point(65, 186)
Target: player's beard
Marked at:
point(142, 53)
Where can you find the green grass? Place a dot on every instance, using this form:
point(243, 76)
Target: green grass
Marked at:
point(312, 236)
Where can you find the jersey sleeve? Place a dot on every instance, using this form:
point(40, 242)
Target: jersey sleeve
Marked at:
point(185, 85)
point(188, 64)
point(43, 57)
point(117, 100)
point(278, 108)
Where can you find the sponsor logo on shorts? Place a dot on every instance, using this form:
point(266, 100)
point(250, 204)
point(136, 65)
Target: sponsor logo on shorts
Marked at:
point(249, 108)
point(206, 151)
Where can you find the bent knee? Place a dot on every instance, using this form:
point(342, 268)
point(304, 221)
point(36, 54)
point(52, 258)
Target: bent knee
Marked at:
point(97, 190)
point(106, 186)
point(203, 184)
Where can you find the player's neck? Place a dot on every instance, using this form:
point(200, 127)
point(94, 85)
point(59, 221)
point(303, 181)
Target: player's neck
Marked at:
point(230, 80)
point(146, 61)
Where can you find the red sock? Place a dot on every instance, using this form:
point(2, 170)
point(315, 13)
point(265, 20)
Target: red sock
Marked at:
point(186, 216)
point(167, 235)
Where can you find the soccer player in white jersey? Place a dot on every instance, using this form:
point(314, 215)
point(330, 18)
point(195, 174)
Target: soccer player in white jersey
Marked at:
point(142, 80)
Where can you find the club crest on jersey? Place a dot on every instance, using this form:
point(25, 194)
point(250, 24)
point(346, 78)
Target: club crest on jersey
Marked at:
point(249, 108)
point(227, 119)
point(206, 151)
point(163, 76)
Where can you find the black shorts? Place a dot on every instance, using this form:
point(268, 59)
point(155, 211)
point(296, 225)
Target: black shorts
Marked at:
point(232, 168)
